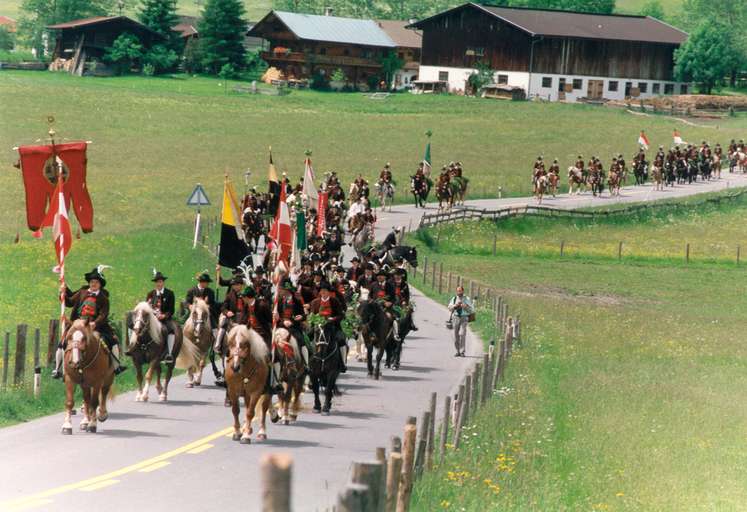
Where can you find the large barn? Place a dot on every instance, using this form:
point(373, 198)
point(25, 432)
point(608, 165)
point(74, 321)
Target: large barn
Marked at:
point(556, 55)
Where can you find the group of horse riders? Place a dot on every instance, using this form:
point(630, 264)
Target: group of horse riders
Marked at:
point(679, 164)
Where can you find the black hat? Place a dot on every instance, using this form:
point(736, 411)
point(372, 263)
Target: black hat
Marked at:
point(204, 277)
point(325, 286)
point(158, 276)
point(248, 291)
point(95, 274)
point(317, 273)
point(259, 270)
point(399, 272)
point(287, 284)
point(355, 258)
point(370, 266)
point(382, 272)
point(340, 269)
point(237, 280)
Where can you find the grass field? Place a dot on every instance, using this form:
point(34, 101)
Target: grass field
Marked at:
point(629, 391)
point(153, 139)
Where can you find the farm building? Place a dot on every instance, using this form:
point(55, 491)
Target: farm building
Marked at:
point(408, 50)
point(188, 28)
point(301, 45)
point(81, 42)
point(556, 55)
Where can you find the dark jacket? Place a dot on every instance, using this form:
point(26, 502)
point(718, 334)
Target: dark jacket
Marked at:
point(258, 317)
point(209, 295)
point(165, 304)
point(379, 291)
point(232, 303)
point(335, 312)
point(401, 292)
point(75, 300)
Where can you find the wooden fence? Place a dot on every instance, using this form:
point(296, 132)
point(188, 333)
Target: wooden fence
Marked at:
point(384, 483)
point(470, 213)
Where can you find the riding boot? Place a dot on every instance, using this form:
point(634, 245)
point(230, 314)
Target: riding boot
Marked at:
point(305, 355)
point(169, 358)
point(395, 328)
point(217, 346)
point(118, 367)
point(275, 385)
point(343, 358)
point(58, 357)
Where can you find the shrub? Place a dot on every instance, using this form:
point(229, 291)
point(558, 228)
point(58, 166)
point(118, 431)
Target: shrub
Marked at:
point(159, 58)
point(124, 53)
point(338, 75)
point(319, 81)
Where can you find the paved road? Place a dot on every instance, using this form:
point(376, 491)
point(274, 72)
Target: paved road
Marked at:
point(179, 454)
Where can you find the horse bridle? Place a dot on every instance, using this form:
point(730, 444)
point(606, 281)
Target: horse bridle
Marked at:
point(74, 344)
point(323, 341)
point(140, 332)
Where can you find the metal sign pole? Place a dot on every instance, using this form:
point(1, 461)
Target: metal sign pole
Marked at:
point(197, 229)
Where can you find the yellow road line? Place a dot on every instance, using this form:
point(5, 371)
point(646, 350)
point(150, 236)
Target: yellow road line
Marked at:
point(200, 449)
point(29, 505)
point(153, 467)
point(99, 485)
point(119, 472)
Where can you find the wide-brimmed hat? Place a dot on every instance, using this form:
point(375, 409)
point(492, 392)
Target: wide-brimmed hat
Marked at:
point(95, 274)
point(158, 276)
point(237, 280)
point(248, 291)
point(204, 277)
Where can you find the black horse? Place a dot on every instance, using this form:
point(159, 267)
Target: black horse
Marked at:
point(324, 365)
point(393, 255)
point(640, 171)
point(377, 330)
point(420, 189)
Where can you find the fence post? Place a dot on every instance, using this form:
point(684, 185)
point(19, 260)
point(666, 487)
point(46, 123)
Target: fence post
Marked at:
point(21, 332)
point(54, 327)
point(425, 423)
point(276, 470)
point(449, 286)
point(620, 251)
point(353, 498)
point(440, 276)
point(476, 372)
point(445, 427)
point(393, 476)
point(431, 434)
point(498, 366)
point(425, 268)
point(738, 254)
point(433, 276)
point(37, 365)
point(464, 393)
point(687, 253)
point(370, 474)
point(396, 444)
point(495, 243)
point(484, 379)
point(408, 458)
point(6, 359)
point(562, 247)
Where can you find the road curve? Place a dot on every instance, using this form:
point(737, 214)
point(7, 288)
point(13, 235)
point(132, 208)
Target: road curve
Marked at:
point(179, 455)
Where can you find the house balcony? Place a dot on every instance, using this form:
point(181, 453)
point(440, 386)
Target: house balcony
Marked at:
point(331, 60)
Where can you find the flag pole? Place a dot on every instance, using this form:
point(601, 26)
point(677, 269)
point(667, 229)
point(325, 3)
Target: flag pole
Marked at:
point(60, 176)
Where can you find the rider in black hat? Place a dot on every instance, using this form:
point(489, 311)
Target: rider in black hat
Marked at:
point(163, 302)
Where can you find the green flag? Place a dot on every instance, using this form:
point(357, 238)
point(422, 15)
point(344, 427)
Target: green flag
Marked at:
point(427, 159)
point(300, 231)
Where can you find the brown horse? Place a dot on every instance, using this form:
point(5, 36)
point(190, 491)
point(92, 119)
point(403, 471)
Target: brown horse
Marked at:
point(540, 187)
point(614, 181)
point(552, 183)
point(444, 193)
point(198, 330)
point(657, 176)
point(246, 376)
point(291, 371)
point(88, 365)
point(147, 346)
point(575, 180)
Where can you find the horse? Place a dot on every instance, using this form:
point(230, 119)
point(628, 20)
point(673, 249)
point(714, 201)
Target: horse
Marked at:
point(459, 189)
point(669, 175)
point(198, 330)
point(286, 354)
point(444, 193)
point(246, 376)
point(377, 331)
point(362, 239)
point(385, 194)
point(575, 180)
point(552, 182)
point(324, 367)
point(657, 176)
point(614, 183)
point(639, 171)
point(419, 189)
point(716, 165)
point(393, 255)
point(88, 365)
point(596, 183)
point(253, 228)
point(540, 187)
point(147, 344)
point(704, 166)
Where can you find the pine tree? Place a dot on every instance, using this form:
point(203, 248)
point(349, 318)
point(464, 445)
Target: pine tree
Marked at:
point(222, 32)
point(160, 16)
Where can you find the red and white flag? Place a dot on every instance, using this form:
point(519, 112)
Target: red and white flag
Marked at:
point(643, 140)
point(321, 214)
point(677, 138)
point(57, 218)
point(281, 229)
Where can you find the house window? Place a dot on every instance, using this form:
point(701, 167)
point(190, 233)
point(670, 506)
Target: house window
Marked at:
point(577, 83)
point(547, 82)
point(643, 87)
point(612, 86)
point(656, 88)
point(401, 55)
point(668, 88)
point(561, 85)
point(502, 79)
point(443, 76)
point(322, 51)
point(346, 52)
point(683, 89)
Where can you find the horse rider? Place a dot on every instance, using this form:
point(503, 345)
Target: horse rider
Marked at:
point(203, 291)
point(579, 164)
point(330, 308)
point(538, 170)
point(91, 304)
point(391, 239)
point(340, 285)
point(290, 309)
point(261, 284)
point(385, 176)
point(368, 278)
point(382, 290)
point(230, 311)
point(402, 293)
point(163, 303)
point(255, 313)
point(355, 271)
point(554, 168)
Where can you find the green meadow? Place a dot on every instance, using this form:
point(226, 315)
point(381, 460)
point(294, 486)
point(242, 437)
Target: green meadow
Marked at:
point(628, 392)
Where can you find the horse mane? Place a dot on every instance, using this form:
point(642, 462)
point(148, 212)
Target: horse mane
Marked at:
point(202, 306)
point(154, 324)
point(257, 345)
point(285, 336)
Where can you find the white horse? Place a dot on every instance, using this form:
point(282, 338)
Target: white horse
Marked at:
point(198, 330)
point(385, 193)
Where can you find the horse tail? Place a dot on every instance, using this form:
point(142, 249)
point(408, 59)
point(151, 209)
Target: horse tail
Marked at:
point(189, 355)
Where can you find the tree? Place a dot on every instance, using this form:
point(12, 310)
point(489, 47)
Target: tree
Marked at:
point(124, 53)
point(37, 14)
point(192, 56)
point(161, 58)
point(481, 77)
point(654, 9)
point(160, 16)
point(390, 64)
point(222, 31)
point(7, 39)
point(708, 55)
